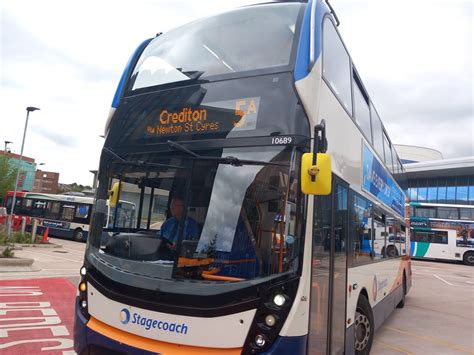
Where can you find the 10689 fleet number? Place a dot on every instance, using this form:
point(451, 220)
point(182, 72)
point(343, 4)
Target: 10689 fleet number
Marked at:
point(281, 140)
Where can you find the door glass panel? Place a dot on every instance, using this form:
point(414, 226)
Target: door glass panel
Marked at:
point(320, 282)
point(339, 272)
point(328, 296)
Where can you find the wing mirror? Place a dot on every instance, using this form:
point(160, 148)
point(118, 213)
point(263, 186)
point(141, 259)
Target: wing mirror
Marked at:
point(316, 175)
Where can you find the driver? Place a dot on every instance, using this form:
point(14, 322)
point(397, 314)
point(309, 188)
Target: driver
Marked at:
point(169, 229)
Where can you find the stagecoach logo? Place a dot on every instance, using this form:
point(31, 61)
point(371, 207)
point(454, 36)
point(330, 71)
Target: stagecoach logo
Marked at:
point(125, 316)
point(137, 319)
point(374, 288)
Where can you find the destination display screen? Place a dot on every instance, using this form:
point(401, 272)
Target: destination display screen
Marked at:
point(262, 106)
point(227, 115)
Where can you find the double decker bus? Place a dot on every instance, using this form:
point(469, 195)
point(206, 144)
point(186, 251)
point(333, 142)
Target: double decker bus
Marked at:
point(253, 131)
point(442, 231)
point(65, 216)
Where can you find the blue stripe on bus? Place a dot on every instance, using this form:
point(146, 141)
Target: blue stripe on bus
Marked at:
point(85, 337)
point(126, 72)
point(412, 248)
point(302, 56)
point(288, 345)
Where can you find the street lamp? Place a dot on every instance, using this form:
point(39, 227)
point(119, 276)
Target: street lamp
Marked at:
point(10, 217)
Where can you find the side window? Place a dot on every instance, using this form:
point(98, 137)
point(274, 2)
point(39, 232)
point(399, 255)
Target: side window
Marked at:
point(394, 239)
point(361, 109)
point(388, 151)
point(82, 211)
point(380, 236)
point(403, 241)
point(419, 236)
point(67, 213)
point(52, 209)
point(361, 233)
point(376, 131)
point(336, 65)
point(38, 208)
point(426, 212)
point(448, 212)
point(467, 214)
point(26, 206)
point(439, 237)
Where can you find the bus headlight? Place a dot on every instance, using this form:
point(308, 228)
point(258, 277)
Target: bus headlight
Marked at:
point(279, 300)
point(260, 340)
point(271, 315)
point(270, 320)
point(82, 287)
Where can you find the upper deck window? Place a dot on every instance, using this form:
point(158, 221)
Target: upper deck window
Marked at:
point(361, 111)
point(249, 38)
point(336, 65)
point(377, 131)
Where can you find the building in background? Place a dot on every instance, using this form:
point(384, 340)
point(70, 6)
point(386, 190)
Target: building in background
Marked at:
point(449, 181)
point(441, 193)
point(415, 154)
point(26, 178)
point(46, 182)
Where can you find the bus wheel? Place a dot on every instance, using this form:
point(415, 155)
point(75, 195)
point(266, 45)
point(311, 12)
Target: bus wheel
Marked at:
point(468, 258)
point(392, 251)
point(401, 304)
point(78, 235)
point(364, 327)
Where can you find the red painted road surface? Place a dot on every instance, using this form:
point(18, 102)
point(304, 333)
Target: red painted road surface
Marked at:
point(36, 316)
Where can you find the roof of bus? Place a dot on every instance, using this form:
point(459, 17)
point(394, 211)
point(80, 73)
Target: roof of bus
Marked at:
point(51, 197)
point(65, 198)
point(427, 204)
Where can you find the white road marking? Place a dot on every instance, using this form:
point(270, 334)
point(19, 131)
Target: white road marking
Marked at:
point(441, 279)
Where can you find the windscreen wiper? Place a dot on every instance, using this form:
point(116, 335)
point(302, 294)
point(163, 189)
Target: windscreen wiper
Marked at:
point(230, 160)
point(140, 162)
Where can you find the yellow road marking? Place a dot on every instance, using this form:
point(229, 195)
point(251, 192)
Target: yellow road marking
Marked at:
point(396, 348)
point(433, 340)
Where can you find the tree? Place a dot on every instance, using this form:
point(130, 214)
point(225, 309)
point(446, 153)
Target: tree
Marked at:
point(7, 175)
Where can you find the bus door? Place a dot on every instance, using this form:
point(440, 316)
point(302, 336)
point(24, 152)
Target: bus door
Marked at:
point(329, 284)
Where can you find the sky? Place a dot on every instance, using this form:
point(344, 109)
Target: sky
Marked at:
point(414, 57)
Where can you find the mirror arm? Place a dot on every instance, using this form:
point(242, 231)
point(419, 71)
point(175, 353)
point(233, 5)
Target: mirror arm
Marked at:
point(319, 146)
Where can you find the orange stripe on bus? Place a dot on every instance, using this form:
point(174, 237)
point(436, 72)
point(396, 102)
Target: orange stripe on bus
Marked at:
point(154, 345)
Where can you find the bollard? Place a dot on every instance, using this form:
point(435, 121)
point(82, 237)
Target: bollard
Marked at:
point(23, 225)
point(33, 229)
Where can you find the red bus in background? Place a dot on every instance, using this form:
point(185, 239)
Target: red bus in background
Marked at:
point(7, 204)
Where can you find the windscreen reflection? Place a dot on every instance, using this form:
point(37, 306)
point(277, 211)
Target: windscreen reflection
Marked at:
point(210, 221)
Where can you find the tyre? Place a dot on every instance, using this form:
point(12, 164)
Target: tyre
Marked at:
point(364, 327)
point(401, 304)
point(392, 251)
point(78, 235)
point(468, 258)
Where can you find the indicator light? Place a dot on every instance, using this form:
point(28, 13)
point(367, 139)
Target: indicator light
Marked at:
point(83, 271)
point(84, 304)
point(82, 287)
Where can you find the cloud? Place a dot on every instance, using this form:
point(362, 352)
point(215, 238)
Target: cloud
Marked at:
point(68, 58)
point(417, 72)
point(58, 138)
